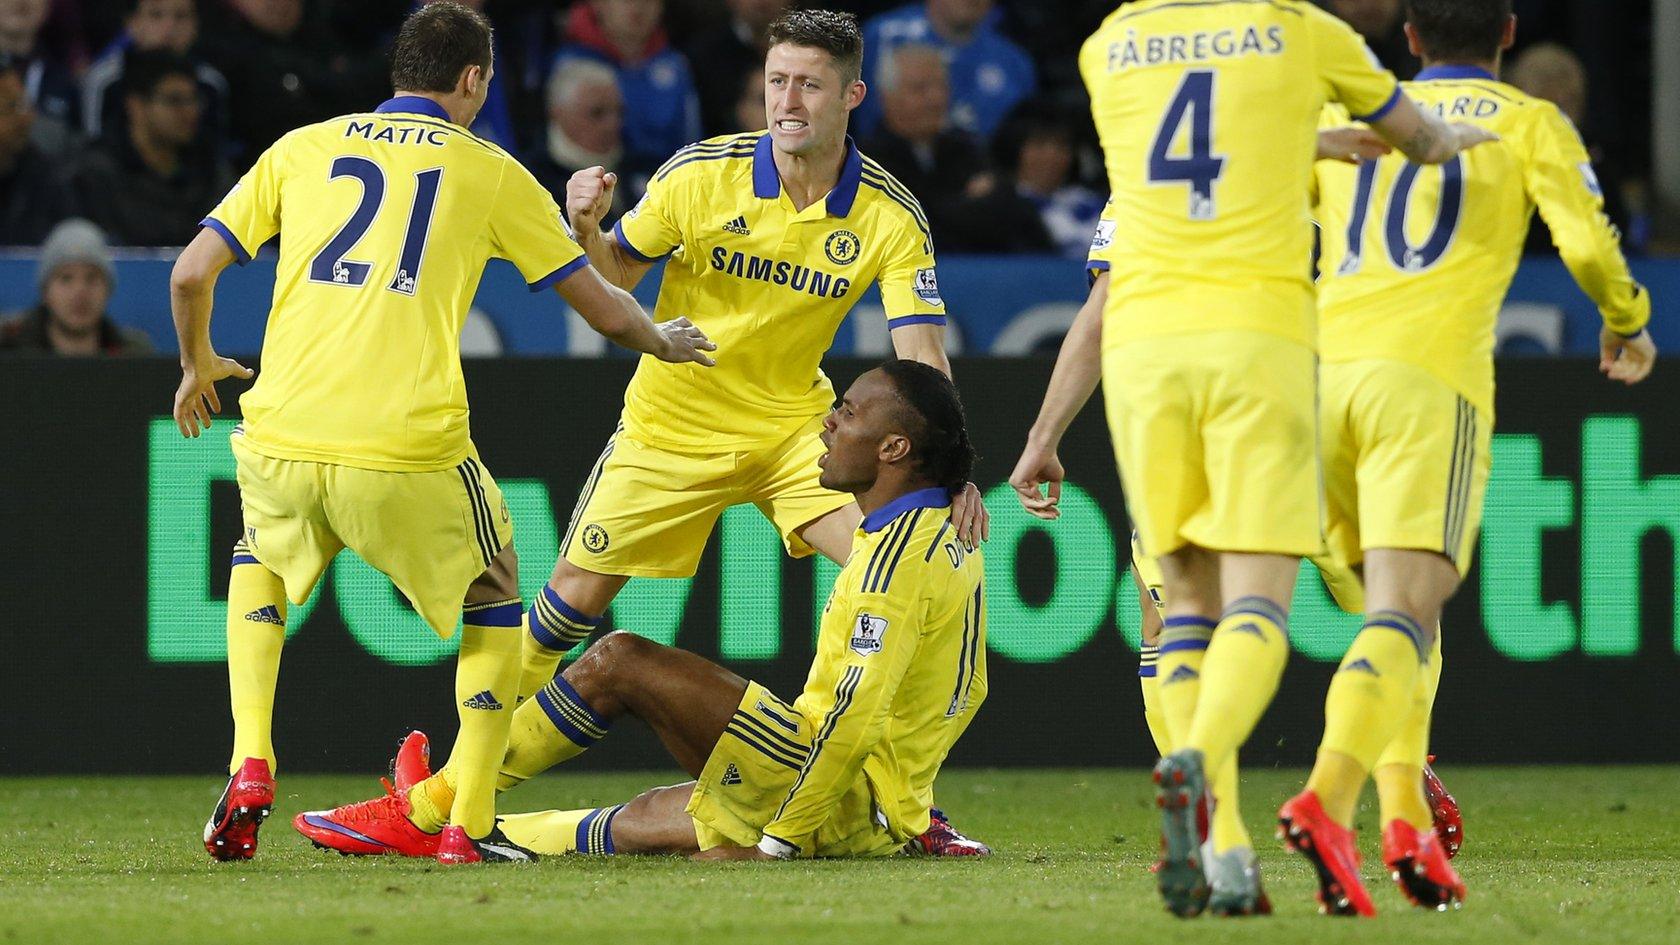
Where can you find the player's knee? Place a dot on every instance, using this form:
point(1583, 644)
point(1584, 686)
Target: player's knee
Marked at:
point(616, 659)
point(500, 581)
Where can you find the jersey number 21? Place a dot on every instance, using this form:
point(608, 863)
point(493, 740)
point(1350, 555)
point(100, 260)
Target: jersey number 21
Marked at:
point(330, 266)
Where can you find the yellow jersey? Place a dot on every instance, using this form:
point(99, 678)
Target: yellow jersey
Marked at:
point(386, 219)
point(1416, 260)
point(769, 283)
point(899, 673)
point(1102, 241)
point(1207, 111)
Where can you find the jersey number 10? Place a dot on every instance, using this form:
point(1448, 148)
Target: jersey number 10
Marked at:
point(330, 266)
point(1405, 256)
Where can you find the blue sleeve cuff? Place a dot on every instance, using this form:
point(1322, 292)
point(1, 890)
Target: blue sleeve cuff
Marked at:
point(559, 275)
point(1387, 107)
point(904, 320)
point(1093, 267)
point(624, 241)
point(220, 229)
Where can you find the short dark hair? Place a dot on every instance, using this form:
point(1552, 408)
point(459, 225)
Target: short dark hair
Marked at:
point(144, 70)
point(1459, 29)
point(832, 32)
point(435, 44)
point(938, 429)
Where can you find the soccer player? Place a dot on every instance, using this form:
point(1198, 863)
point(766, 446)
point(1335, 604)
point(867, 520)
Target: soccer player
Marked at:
point(1206, 112)
point(1416, 264)
point(846, 769)
point(356, 433)
point(771, 238)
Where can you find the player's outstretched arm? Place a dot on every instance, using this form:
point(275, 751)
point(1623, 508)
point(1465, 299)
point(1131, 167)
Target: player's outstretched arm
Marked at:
point(611, 311)
point(1423, 137)
point(589, 196)
point(192, 287)
point(1075, 378)
point(1351, 144)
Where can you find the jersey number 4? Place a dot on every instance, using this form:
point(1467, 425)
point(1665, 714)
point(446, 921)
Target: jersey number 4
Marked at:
point(1193, 103)
point(1401, 252)
point(330, 266)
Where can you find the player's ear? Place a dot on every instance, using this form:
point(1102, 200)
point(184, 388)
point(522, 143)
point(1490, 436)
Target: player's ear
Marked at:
point(855, 94)
point(894, 448)
point(1412, 43)
point(468, 84)
point(1510, 38)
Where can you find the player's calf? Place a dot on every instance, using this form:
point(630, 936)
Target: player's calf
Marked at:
point(231, 831)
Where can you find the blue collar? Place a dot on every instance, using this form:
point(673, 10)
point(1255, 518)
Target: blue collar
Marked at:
point(767, 183)
point(935, 498)
point(414, 105)
point(1455, 72)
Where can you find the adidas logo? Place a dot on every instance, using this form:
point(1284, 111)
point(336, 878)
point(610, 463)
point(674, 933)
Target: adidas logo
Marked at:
point(731, 775)
point(1183, 674)
point(268, 613)
point(485, 701)
point(1361, 666)
point(1249, 627)
point(738, 226)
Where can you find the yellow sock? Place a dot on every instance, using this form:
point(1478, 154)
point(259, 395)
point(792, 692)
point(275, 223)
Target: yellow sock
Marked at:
point(1154, 715)
point(1239, 677)
point(1184, 643)
point(1369, 700)
point(430, 801)
point(558, 725)
point(1227, 828)
point(554, 627)
point(1399, 770)
point(486, 677)
point(256, 631)
point(553, 832)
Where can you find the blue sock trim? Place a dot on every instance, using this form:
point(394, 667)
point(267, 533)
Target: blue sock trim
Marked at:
point(1148, 656)
point(1147, 672)
point(1173, 646)
point(1394, 620)
point(558, 625)
point(1259, 607)
point(606, 831)
point(570, 715)
point(510, 613)
point(245, 559)
point(585, 830)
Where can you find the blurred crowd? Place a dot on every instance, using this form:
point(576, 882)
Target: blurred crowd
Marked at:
point(137, 115)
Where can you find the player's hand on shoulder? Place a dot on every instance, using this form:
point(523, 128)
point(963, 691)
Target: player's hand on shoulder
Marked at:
point(195, 399)
point(1467, 136)
point(589, 195)
point(720, 854)
point(1625, 359)
point(1351, 144)
point(969, 515)
point(1039, 466)
point(685, 343)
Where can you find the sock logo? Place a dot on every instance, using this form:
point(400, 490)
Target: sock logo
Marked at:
point(1249, 626)
point(484, 700)
point(268, 613)
point(1183, 674)
point(1361, 666)
point(731, 775)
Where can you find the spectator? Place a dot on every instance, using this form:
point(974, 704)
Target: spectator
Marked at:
point(1554, 73)
point(150, 185)
point(585, 128)
point(1383, 24)
point(33, 193)
point(989, 74)
point(750, 112)
point(662, 111)
point(916, 144)
point(726, 51)
point(51, 88)
point(283, 71)
point(75, 278)
point(1036, 152)
point(152, 26)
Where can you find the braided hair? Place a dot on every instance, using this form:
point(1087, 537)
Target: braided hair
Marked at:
point(933, 419)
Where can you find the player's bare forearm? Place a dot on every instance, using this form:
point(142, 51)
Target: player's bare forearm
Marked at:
point(1424, 137)
point(615, 264)
point(617, 316)
point(1078, 370)
point(924, 343)
point(192, 287)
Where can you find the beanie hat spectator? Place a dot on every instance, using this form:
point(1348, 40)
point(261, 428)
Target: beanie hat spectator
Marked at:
point(74, 241)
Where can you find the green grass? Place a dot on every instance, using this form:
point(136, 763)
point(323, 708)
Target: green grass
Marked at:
point(1553, 855)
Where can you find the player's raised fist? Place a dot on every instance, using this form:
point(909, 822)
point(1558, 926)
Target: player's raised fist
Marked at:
point(684, 343)
point(589, 196)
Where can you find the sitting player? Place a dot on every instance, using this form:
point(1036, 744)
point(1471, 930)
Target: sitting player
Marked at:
point(847, 769)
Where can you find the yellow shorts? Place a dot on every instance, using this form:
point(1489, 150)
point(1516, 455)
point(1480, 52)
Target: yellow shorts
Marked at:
point(1216, 440)
point(1406, 462)
point(750, 771)
point(647, 511)
point(1340, 579)
point(431, 533)
point(1147, 572)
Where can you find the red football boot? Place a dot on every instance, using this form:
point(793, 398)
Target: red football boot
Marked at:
point(1309, 831)
point(457, 848)
point(413, 761)
point(370, 828)
point(942, 839)
point(231, 831)
point(1418, 863)
point(1449, 823)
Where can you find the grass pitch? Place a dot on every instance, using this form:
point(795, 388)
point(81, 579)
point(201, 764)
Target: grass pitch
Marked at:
point(1552, 855)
